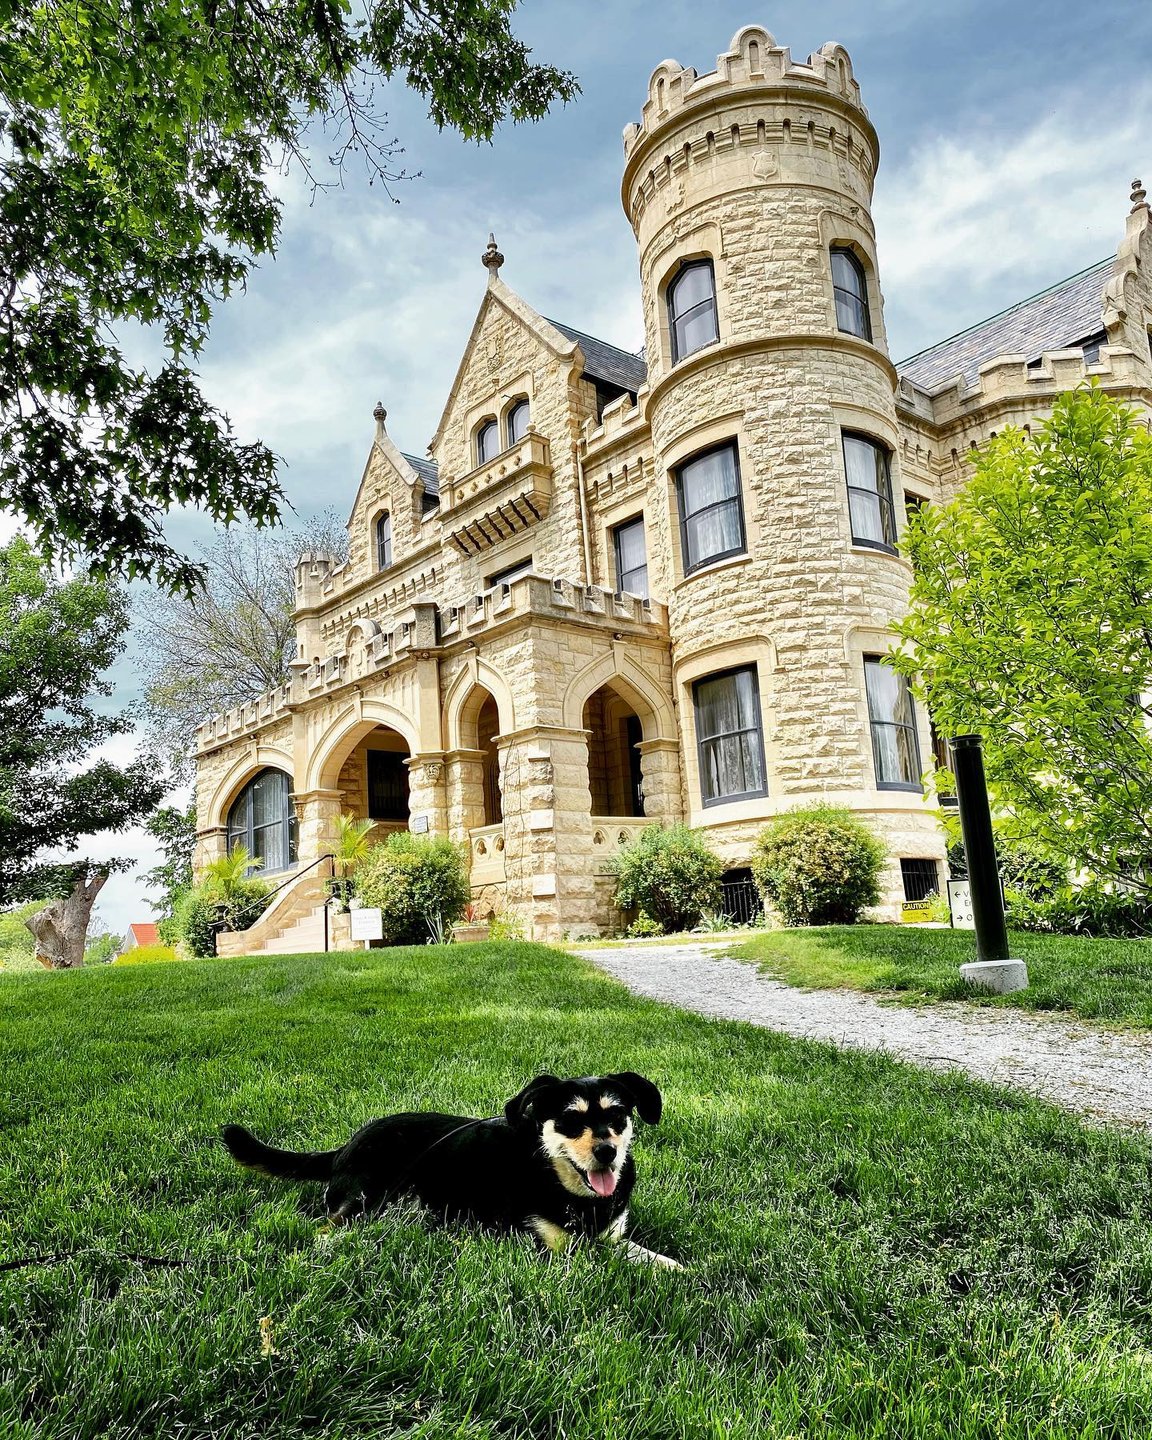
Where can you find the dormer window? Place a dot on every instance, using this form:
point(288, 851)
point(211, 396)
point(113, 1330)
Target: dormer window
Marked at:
point(518, 420)
point(851, 291)
point(692, 309)
point(487, 442)
point(384, 541)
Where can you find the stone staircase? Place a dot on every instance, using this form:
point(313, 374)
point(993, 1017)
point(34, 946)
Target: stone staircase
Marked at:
point(292, 924)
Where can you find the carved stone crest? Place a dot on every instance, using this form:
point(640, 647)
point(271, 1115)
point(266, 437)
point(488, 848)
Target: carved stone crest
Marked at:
point(764, 166)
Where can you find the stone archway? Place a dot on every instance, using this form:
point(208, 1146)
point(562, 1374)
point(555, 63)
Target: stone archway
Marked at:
point(615, 765)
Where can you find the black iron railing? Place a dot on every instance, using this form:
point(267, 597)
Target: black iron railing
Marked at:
point(740, 901)
point(256, 908)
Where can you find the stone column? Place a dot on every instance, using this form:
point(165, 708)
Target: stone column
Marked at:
point(663, 784)
point(548, 835)
point(211, 844)
point(427, 795)
point(316, 812)
point(464, 792)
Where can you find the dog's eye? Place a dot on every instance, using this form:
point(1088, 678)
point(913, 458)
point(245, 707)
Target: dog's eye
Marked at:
point(572, 1125)
point(616, 1117)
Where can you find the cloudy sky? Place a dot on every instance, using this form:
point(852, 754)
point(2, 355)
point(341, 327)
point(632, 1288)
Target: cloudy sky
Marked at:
point(1009, 134)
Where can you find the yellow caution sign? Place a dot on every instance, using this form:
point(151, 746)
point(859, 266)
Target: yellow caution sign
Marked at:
point(916, 912)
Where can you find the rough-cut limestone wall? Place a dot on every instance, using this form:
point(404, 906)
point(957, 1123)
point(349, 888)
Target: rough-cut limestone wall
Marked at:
point(508, 360)
point(763, 184)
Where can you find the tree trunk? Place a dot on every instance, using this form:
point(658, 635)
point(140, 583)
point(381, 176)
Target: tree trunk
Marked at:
point(61, 928)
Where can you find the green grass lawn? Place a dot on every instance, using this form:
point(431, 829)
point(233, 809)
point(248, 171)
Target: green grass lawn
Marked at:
point(873, 1250)
point(1109, 980)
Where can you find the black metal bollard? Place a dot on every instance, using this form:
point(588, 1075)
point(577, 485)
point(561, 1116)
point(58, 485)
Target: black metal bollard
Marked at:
point(979, 848)
point(993, 968)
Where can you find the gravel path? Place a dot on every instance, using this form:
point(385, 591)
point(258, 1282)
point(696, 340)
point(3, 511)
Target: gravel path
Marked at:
point(1102, 1074)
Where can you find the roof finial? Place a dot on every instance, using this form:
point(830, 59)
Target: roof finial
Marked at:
point(1138, 194)
point(380, 415)
point(492, 258)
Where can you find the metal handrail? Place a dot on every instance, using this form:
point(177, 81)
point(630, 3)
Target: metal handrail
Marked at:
point(266, 900)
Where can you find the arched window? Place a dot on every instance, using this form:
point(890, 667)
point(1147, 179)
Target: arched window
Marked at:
point(487, 442)
point(261, 819)
point(692, 309)
point(851, 292)
point(518, 418)
point(384, 541)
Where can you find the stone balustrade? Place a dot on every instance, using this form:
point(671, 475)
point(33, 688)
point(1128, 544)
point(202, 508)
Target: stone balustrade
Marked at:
point(486, 854)
point(500, 498)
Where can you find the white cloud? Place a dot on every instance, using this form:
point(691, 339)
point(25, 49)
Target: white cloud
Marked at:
point(968, 226)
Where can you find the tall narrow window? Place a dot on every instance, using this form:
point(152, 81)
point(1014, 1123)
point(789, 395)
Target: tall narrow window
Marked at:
point(631, 557)
point(869, 493)
point(692, 309)
point(851, 292)
point(729, 739)
point(384, 541)
point(518, 418)
point(711, 514)
point(893, 722)
point(262, 820)
point(487, 442)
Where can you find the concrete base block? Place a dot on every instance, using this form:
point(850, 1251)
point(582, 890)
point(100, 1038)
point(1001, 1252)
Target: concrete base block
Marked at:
point(999, 976)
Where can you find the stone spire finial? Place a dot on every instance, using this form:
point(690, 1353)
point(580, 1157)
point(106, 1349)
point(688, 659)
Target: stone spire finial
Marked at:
point(492, 258)
point(1138, 196)
point(380, 415)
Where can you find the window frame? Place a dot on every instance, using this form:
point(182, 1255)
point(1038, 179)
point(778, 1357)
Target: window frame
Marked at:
point(701, 262)
point(372, 761)
point(245, 833)
point(862, 299)
point(618, 559)
point(702, 741)
point(511, 572)
point(911, 787)
point(887, 547)
point(488, 424)
point(690, 567)
point(384, 556)
point(523, 403)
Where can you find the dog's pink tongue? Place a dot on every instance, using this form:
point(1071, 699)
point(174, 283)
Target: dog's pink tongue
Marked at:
point(602, 1181)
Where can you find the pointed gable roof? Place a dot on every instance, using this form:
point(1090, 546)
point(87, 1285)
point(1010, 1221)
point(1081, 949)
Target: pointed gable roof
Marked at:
point(1060, 318)
point(497, 293)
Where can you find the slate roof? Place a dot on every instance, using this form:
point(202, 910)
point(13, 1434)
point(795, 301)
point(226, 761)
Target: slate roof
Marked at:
point(1060, 318)
point(607, 362)
point(428, 472)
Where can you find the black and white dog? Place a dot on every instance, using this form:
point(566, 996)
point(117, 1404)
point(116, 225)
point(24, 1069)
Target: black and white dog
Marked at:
point(557, 1163)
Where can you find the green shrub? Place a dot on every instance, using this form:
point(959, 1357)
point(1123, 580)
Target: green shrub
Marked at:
point(419, 884)
point(643, 927)
point(200, 912)
point(1091, 910)
point(670, 875)
point(146, 955)
point(818, 865)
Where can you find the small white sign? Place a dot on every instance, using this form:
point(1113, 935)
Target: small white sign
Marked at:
point(960, 904)
point(367, 923)
point(419, 824)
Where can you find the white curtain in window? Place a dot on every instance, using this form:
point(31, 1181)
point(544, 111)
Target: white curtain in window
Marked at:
point(708, 482)
point(867, 490)
point(728, 725)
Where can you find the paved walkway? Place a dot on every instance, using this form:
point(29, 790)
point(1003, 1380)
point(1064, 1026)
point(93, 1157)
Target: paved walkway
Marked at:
point(1102, 1074)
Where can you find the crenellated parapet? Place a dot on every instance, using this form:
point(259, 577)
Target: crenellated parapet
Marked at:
point(753, 59)
point(534, 597)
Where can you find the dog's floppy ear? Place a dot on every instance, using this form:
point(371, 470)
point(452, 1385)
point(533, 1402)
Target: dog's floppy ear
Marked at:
point(518, 1110)
point(642, 1093)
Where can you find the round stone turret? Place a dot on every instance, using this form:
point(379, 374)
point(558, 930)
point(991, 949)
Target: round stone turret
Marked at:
point(771, 401)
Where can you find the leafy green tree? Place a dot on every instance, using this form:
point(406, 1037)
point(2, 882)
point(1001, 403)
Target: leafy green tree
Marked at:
point(174, 831)
point(230, 642)
point(137, 144)
point(1031, 624)
point(57, 637)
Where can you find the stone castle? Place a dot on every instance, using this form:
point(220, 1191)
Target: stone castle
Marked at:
point(627, 590)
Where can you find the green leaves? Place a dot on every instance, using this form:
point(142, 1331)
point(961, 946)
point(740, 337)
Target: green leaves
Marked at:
point(134, 145)
point(56, 639)
point(1031, 623)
